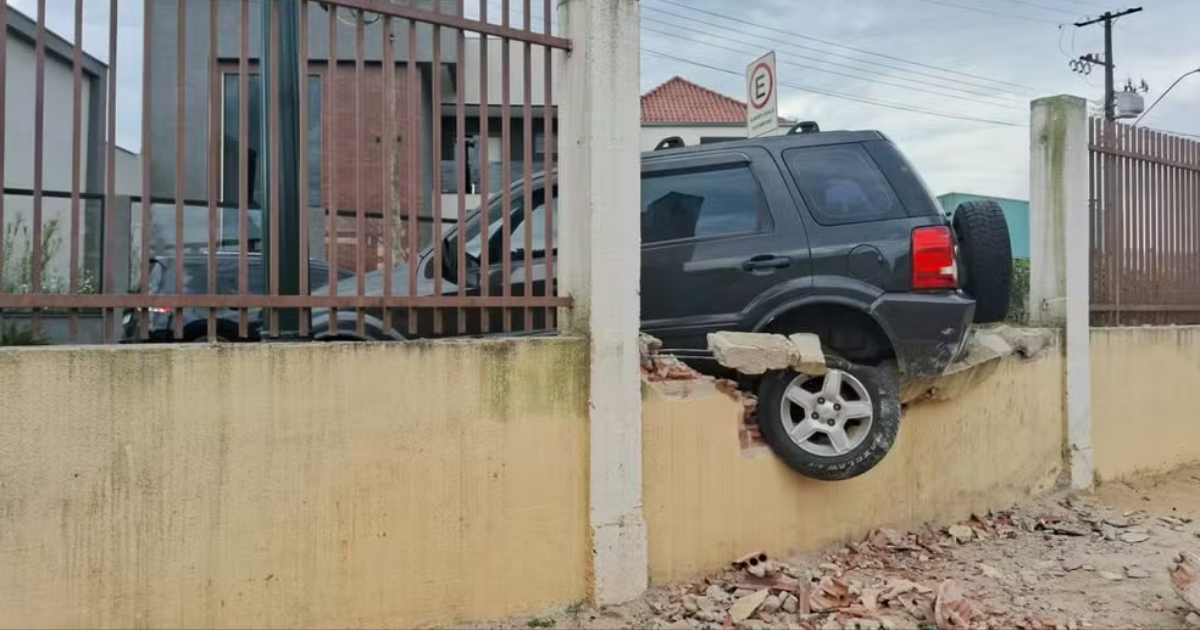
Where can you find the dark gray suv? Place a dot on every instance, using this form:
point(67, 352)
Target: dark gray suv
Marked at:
point(829, 233)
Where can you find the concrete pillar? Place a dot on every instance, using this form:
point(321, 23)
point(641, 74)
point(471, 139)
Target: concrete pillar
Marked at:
point(1059, 213)
point(599, 267)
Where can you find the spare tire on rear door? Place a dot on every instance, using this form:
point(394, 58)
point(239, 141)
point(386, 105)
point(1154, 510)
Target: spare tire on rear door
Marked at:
point(985, 258)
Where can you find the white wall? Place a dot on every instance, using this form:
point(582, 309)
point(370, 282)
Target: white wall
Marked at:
point(652, 135)
point(473, 74)
point(128, 170)
point(20, 90)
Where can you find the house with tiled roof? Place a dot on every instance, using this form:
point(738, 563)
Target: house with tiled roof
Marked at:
point(692, 112)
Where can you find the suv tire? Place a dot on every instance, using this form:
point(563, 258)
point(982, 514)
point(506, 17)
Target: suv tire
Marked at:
point(844, 422)
point(986, 257)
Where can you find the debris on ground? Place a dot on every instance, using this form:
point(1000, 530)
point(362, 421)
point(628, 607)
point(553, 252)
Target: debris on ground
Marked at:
point(1184, 579)
point(1048, 565)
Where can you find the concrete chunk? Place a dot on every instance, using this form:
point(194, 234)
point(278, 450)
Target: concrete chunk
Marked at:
point(752, 353)
point(745, 607)
point(1028, 342)
point(810, 357)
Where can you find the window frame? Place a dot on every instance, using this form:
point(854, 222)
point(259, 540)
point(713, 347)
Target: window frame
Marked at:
point(226, 70)
point(816, 209)
point(712, 162)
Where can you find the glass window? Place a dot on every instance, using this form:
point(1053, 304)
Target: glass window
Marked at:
point(473, 161)
point(539, 230)
point(496, 225)
point(702, 203)
point(842, 185)
point(254, 140)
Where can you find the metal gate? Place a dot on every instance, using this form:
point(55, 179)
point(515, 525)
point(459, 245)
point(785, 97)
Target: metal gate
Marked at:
point(1145, 220)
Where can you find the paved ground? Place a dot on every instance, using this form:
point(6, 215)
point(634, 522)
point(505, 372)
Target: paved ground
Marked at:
point(1098, 561)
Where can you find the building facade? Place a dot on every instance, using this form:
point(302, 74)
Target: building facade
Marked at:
point(20, 85)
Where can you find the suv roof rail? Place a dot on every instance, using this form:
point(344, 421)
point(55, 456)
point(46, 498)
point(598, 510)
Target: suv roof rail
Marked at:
point(807, 126)
point(674, 142)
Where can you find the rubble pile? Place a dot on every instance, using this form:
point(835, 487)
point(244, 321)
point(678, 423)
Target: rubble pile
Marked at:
point(893, 580)
point(758, 592)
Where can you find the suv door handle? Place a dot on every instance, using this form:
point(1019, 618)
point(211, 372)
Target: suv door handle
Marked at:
point(766, 262)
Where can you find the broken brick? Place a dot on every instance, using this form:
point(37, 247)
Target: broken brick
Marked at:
point(1184, 579)
point(951, 610)
point(830, 594)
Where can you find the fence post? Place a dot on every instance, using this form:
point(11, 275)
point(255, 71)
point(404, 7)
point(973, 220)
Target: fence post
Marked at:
point(599, 188)
point(1060, 223)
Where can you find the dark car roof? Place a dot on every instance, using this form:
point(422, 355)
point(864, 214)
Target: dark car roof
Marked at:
point(814, 139)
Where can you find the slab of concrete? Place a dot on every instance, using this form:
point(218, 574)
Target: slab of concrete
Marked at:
point(811, 357)
point(752, 353)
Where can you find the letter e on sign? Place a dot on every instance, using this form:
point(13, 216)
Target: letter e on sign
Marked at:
point(762, 95)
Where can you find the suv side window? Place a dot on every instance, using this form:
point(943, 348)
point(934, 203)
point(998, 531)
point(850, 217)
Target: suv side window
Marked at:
point(842, 185)
point(702, 203)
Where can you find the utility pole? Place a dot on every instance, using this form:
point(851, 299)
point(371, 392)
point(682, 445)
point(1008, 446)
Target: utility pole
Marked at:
point(1110, 95)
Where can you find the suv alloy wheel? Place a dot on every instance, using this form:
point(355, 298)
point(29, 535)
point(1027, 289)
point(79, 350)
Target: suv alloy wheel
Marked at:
point(831, 427)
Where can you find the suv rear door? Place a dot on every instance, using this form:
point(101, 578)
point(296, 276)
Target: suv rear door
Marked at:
point(719, 230)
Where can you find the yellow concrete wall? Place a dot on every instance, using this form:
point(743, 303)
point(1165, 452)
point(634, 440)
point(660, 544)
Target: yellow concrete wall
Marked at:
point(304, 486)
point(1145, 400)
point(708, 502)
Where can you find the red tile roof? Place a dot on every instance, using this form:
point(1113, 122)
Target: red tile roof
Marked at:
point(681, 101)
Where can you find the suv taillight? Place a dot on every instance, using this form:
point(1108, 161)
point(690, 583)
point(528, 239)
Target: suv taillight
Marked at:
point(933, 259)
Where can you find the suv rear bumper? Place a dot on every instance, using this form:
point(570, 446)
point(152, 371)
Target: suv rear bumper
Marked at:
point(927, 330)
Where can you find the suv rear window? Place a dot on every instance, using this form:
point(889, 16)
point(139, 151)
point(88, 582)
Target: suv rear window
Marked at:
point(702, 203)
point(842, 185)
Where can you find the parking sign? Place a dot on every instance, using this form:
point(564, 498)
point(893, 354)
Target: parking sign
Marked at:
point(762, 111)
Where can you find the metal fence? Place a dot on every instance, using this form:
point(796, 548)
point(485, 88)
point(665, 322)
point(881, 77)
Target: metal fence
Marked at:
point(275, 133)
point(1145, 191)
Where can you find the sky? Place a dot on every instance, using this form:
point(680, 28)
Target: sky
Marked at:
point(978, 59)
point(996, 45)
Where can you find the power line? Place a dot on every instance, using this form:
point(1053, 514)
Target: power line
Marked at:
point(826, 42)
point(1012, 16)
point(835, 72)
point(1040, 6)
point(847, 97)
point(1164, 94)
point(1081, 3)
point(759, 39)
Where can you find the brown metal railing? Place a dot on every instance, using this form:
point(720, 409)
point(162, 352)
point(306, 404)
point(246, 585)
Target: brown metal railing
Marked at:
point(370, 145)
point(1145, 226)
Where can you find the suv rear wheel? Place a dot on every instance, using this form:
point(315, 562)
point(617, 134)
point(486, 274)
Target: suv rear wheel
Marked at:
point(832, 427)
point(986, 258)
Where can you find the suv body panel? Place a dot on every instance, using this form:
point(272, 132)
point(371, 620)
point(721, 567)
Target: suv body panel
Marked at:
point(743, 265)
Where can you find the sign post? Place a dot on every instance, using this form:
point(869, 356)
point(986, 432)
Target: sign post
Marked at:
point(762, 95)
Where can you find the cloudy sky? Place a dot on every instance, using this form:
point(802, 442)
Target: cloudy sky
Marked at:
point(982, 59)
point(975, 59)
